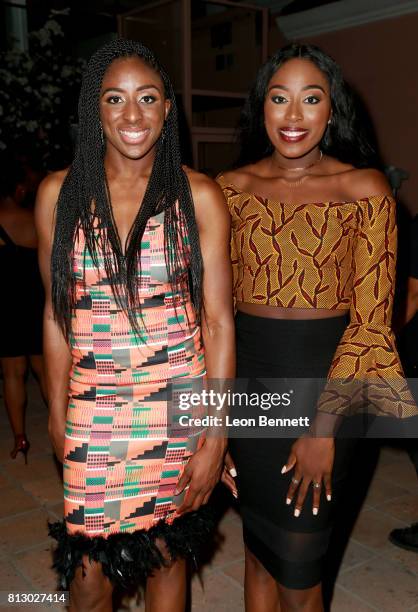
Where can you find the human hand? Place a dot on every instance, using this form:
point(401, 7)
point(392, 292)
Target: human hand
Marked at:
point(201, 474)
point(229, 473)
point(312, 460)
point(56, 431)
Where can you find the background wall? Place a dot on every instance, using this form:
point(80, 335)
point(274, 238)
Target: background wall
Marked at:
point(381, 61)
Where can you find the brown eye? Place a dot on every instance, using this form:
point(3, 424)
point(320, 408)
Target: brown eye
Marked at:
point(113, 99)
point(312, 100)
point(148, 99)
point(278, 99)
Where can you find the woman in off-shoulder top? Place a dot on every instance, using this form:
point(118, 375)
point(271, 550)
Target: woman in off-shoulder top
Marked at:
point(313, 250)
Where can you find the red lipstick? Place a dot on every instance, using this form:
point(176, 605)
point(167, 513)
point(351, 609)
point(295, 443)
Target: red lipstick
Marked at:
point(292, 134)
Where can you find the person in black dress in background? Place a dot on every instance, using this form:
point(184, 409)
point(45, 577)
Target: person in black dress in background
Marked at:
point(21, 308)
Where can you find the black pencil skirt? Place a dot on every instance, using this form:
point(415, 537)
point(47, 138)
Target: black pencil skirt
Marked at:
point(291, 548)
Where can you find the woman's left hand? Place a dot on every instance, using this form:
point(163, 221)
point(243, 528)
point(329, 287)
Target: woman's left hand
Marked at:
point(201, 474)
point(312, 460)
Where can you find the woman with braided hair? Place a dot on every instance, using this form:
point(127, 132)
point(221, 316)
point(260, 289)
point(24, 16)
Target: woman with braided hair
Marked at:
point(138, 294)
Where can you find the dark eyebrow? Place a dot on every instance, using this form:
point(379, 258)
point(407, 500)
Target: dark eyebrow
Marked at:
point(278, 86)
point(314, 87)
point(141, 88)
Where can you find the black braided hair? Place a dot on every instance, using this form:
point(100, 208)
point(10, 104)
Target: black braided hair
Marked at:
point(84, 202)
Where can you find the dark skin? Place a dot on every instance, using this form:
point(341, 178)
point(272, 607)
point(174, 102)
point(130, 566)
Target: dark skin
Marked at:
point(411, 299)
point(298, 98)
point(133, 109)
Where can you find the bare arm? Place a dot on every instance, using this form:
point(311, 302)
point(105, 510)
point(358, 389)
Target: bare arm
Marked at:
point(204, 469)
point(411, 299)
point(217, 311)
point(312, 456)
point(56, 352)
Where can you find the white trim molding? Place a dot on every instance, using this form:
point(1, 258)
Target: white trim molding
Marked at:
point(341, 15)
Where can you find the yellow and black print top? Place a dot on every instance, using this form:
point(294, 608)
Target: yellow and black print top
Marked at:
point(333, 255)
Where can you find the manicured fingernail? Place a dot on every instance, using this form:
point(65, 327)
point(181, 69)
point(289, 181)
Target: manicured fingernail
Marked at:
point(235, 494)
point(329, 497)
point(233, 472)
point(284, 469)
point(176, 491)
point(288, 501)
point(296, 512)
point(315, 511)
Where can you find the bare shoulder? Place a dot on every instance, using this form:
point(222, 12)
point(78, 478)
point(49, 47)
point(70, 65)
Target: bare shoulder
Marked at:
point(201, 184)
point(47, 196)
point(51, 185)
point(203, 187)
point(209, 200)
point(361, 183)
point(239, 175)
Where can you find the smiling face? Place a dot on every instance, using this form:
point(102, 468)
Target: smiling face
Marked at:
point(297, 108)
point(133, 107)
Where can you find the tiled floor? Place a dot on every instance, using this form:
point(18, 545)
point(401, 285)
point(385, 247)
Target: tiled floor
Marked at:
point(374, 575)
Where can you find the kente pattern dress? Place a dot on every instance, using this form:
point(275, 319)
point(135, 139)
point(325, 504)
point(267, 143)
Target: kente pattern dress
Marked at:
point(122, 457)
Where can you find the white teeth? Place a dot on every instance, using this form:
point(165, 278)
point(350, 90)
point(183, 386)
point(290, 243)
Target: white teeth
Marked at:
point(293, 133)
point(133, 134)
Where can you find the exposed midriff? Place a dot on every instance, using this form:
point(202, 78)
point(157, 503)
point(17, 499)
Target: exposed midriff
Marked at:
point(278, 312)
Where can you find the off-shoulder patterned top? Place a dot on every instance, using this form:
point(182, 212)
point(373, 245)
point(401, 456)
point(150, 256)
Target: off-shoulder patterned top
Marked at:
point(334, 255)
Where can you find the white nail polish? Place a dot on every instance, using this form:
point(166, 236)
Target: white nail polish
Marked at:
point(329, 497)
point(284, 468)
point(297, 512)
point(233, 472)
point(315, 511)
point(288, 501)
point(235, 494)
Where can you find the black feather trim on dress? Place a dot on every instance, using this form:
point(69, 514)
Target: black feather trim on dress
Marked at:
point(129, 558)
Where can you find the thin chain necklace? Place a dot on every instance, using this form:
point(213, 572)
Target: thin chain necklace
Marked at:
point(321, 155)
point(293, 184)
point(297, 182)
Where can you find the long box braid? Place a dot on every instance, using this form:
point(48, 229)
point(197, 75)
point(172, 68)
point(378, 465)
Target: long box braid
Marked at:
point(84, 203)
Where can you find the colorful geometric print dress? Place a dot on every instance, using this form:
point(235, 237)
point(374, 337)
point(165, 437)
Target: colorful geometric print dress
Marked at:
point(122, 461)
